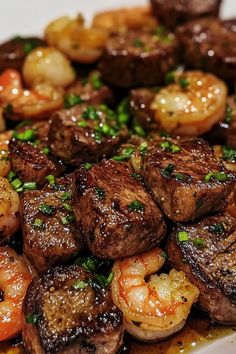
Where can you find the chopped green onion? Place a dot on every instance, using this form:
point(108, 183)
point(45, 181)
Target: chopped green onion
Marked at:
point(29, 46)
point(29, 185)
point(170, 77)
point(87, 166)
point(96, 82)
point(46, 150)
point(72, 100)
point(38, 223)
point(228, 153)
point(67, 206)
point(199, 242)
point(138, 43)
point(16, 183)
point(183, 83)
point(169, 146)
point(27, 135)
point(67, 219)
point(218, 228)
point(164, 255)
point(125, 154)
point(47, 209)
point(179, 176)
point(168, 170)
point(32, 318)
point(51, 180)
point(137, 176)
point(11, 176)
point(100, 193)
point(183, 236)
point(136, 205)
point(229, 114)
point(82, 124)
point(90, 113)
point(143, 147)
point(65, 196)
point(138, 129)
point(80, 284)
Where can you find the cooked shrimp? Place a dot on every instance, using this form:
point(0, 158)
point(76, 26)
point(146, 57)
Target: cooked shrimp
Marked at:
point(125, 19)
point(45, 64)
point(5, 165)
point(9, 210)
point(191, 105)
point(36, 103)
point(14, 280)
point(84, 45)
point(156, 308)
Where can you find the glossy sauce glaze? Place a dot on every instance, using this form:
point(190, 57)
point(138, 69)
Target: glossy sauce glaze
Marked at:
point(198, 331)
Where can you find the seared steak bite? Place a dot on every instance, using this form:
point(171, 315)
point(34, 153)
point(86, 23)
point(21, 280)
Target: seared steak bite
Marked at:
point(185, 178)
point(206, 252)
point(174, 12)
point(115, 214)
point(138, 58)
point(90, 89)
point(209, 44)
point(85, 133)
point(140, 101)
point(30, 156)
point(66, 311)
point(50, 235)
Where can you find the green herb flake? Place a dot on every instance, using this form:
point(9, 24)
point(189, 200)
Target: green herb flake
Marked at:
point(96, 82)
point(28, 135)
point(228, 114)
point(183, 236)
point(123, 111)
point(199, 242)
point(38, 223)
point(51, 180)
point(126, 154)
point(101, 194)
point(29, 46)
point(170, 77)
point(72, 100)
point(164, 255)
point(32, 318)
point(29, 185)
point(143, 147)
point(67, 206)
point(87, 166)
point(16, 184)
point(90, 113)
point(229, 153)
point(47, 209)
point(218, 228)
point(179, 176)
point(66, 220)
point(169, 146)
point(46, 150)
point(82, 124)
point(217, 176)
point(136, 176)
point(11, 175)
point(65, 196)
point(79, 284)
point(184, 83)
point(136, 206)
point(168, 170)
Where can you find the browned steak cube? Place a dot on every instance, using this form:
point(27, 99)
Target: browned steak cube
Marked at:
point(85, 133)
point(210, 44)
point(90, 89)
point(174, 12)
point(186, 179)
point(138, 58)
point(66, 312)
point(115, 214)
point(50, 235)
point(30, 156)
point(140, 101)
point(206, 252)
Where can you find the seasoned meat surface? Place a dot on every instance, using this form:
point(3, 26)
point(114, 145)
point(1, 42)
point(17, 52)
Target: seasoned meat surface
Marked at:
point(50, 235)
point(115, 214)
point(174, 12)
point(30, 157)
point(138, 58)
point(73, 316)
point(14, 51)
point(185, 178)
point(209, 44)
point(140, 101)
point(91, 89)
point(85, 133)
point(208, 257)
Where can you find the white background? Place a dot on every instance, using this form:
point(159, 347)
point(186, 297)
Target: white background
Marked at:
point(27, 17)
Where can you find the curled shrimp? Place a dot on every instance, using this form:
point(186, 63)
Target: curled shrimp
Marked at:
point(83, 45)
point(19, 103)
point(192, 104)
point(156, 308)
point(9, 210)
point(5, 165)
point(14, 280)
point(125, 19)
point(45, 64)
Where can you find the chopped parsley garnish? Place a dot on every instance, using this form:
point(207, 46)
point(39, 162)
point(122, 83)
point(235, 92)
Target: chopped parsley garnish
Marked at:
point(68, 219)
point(47, 209)
point(92, 264)
point(67, 206)
point(98, 137)
point(82, 124)
point(38, 223)
point(100, 193)
point(169, 146)
point(90, 113)
point(51, 180)
point(32, 318)
point(72, 100)
point(138, 129)
point(228, 114)
point(218, 228)
point(11, 175)
point(143, 147)
point(199, 242)
point(97, 281)
point(216, 176)
point(123, 111)
point(183, 83)
point(170, 77)
point(229, 153)
point(125, 154)
point(46, 150)
point(179, 176)
point(80, 284)
point(137, 176)
point(87, 166)
point(136, 205)
point(138, 43)
point(65, 196)
point(168, 170)
point(96, 82)
point(27, 135)
point(183, 236)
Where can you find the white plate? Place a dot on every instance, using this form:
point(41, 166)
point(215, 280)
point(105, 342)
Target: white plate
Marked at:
point(27, 17)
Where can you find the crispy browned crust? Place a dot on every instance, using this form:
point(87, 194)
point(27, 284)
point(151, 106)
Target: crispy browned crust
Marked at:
point(209, 44)
point(191, 198)
point(53, 243)
point(109, 227)
point(74, 144)
point(29, 161)
point(126, 65)
point(173, 12)
point(212, 268)
point(70, 321)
